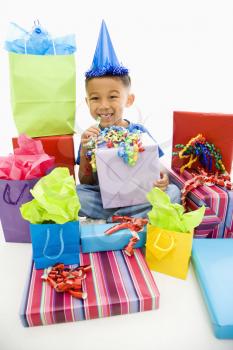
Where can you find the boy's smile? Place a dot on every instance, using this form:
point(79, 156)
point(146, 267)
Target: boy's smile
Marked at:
point(106, 98)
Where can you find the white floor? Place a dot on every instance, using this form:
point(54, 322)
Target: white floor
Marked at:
point(181, 322)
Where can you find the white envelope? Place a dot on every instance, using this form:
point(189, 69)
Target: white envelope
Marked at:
point(122, 185)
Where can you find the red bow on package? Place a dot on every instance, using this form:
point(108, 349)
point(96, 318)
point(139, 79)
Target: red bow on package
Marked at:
point(203, 178)
point(67, 280)
point(133, 224)
point(29, 161)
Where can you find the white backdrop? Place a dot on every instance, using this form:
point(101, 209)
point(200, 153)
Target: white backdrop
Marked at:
point(179, 52)
point(180, 56)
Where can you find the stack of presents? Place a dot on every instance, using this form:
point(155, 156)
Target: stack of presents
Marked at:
point(82, 270)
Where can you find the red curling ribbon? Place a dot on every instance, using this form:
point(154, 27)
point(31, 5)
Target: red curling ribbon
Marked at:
point(118, 227)
point(110, 144)
point(203, 178)
point(133, 224)
point(140, 222)
point(67, 280)
point(130, 246)
point(86, 268)
point(57, 267)
point(51, 282)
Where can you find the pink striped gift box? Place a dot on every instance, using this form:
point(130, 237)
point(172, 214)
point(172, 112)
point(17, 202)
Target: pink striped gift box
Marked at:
point(116, 285)
point(214, 198)
point(228, 229)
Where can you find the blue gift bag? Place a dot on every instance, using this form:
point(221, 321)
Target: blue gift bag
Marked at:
point(55, 243)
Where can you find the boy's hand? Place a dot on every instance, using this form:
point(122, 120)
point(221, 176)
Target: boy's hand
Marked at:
point(92, 131)
point(163, 182)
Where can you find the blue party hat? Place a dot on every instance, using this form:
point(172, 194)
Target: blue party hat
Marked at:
point(105, 61)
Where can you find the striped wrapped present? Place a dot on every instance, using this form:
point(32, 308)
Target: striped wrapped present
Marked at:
point(228, 229)
point(117, 284)
point(214, 198)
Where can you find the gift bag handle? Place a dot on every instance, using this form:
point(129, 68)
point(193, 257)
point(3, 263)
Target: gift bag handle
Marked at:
point(47, 242)
point(170, 247)
point(7, 198)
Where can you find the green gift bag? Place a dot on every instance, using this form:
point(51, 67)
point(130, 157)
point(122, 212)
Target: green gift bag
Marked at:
point(43, 94)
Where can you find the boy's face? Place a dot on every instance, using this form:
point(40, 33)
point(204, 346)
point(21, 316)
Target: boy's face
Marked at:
point(106, 98)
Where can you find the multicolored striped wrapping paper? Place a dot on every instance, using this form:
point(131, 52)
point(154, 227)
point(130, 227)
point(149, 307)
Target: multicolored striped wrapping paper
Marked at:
point(228, 230)
point(214, 198)
point(116, 285)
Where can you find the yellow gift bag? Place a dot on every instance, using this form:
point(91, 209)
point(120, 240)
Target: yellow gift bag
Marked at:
point(168, 252)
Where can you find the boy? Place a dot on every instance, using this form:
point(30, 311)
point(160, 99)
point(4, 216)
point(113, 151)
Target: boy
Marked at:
point(108, 93)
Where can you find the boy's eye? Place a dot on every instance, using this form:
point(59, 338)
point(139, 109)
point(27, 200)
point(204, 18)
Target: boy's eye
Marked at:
point(113, 96)
point(94, 98)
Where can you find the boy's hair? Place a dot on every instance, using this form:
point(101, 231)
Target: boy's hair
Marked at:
point(125, 79)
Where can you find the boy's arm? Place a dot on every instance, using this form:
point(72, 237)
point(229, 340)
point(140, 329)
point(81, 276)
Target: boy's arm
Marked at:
point(163, 182)
point(85, 170)
point(85, 173)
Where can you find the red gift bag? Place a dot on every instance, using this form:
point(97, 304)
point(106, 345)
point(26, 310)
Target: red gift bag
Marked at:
point(61, 147)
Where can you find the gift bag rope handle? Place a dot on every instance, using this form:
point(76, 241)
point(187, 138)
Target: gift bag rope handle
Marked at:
point(164, 249)
point(47, 242)
point(37, 23)
point(7, 198)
